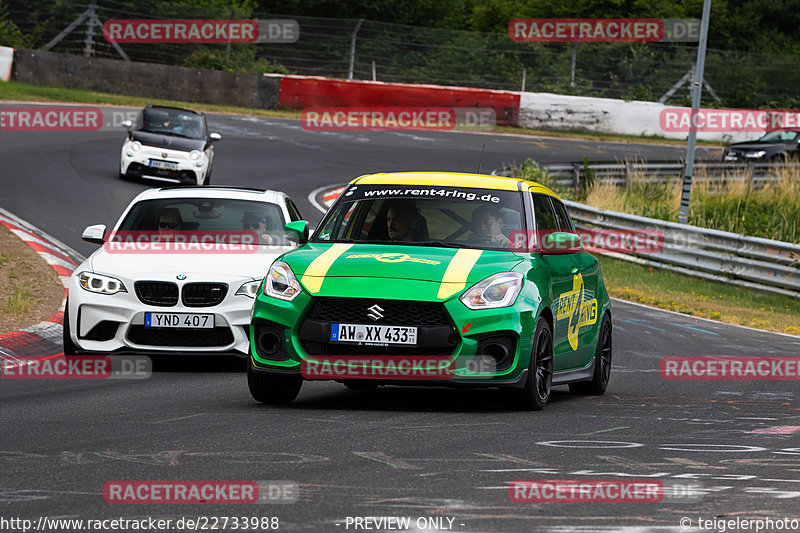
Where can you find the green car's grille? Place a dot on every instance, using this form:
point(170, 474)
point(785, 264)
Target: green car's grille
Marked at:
point(395, 312)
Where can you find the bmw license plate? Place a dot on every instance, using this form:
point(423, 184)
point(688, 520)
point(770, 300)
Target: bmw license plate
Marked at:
point(168, 165)
point(178, 320)
point(370, 333)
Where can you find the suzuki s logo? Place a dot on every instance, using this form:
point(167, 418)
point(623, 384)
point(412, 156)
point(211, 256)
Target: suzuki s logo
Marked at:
point(375, 312)
point(181, 277)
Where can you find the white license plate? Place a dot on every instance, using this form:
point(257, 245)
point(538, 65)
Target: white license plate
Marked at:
point(377, 334)
point(730, 158)
point(178, 320)
point(163, 164)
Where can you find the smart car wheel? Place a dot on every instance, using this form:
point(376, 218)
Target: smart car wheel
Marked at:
point(273, 389)
point(536, 392)
point(602, 366)
point(69, 346)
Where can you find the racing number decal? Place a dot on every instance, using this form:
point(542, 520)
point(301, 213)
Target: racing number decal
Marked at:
point(571, 305)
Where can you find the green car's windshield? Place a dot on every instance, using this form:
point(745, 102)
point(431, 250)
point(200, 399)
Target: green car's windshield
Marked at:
point(458, 217)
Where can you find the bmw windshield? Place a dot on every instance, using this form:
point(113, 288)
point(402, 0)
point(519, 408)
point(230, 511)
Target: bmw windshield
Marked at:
point(458, 217)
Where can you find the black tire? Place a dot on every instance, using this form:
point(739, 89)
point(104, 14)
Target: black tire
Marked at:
point(538, 384)
point(602, 366)
point(69, 346)
point(272, 389)
point(361, 385)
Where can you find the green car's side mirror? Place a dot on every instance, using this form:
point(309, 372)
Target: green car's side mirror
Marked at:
point(561, 242)
point(297, 231)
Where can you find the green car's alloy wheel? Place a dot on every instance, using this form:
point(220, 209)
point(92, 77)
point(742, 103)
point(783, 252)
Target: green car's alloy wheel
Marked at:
point(536, 392)
point(602, 366)
point(272, 389)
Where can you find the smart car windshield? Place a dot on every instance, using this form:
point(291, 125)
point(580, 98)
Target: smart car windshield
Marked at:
point(168, 121)
point(425, 216)
point(207, 214)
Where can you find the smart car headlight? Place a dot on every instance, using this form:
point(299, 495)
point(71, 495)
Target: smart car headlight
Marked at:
point(136, 146)
point(249, 289)
point(498, 290)
point(281, 282)
point(194, 155)
point(100, 284)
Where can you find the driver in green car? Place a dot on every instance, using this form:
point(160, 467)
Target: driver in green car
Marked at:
point(488, 223)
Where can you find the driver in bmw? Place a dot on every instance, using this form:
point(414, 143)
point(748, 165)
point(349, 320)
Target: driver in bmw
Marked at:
point(488, 223)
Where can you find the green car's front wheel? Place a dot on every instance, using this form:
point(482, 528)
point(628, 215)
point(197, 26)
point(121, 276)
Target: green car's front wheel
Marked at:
point(536, 392)
point(272, 389)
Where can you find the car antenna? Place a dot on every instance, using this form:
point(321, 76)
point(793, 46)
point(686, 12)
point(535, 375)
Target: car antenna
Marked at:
point(481, 159)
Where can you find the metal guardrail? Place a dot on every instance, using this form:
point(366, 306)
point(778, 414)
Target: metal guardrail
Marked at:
point(752, 262)
point(573, 174)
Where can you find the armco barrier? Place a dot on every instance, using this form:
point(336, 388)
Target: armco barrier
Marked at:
point(6, 60)
point(145, 79)
point(302, 92)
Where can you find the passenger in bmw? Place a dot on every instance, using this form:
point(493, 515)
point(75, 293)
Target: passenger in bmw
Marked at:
point(257, 222)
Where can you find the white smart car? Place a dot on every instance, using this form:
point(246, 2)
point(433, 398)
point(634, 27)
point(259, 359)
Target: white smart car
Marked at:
point(168, 144)
point(177, 273)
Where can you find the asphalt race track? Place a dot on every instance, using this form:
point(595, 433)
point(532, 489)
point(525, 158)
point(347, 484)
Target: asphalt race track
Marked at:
point(412, 452)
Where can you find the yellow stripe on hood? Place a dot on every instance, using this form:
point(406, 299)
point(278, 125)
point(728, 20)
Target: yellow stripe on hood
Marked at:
point(455, 277)
point(315, 273)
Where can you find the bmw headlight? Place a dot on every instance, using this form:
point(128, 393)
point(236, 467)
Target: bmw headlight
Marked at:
point(756, 155)
point(281, 282)
point(100, 284)
point(249, 289)
point(136, 146)
point(194, 155)
point(498, 290)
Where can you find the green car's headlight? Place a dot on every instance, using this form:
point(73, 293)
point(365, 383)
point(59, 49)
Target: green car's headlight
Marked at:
point(498, 290)
point(100, 284)
point(281, 282)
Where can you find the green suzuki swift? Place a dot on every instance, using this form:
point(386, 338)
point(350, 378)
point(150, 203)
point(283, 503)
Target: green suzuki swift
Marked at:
point(434, 279)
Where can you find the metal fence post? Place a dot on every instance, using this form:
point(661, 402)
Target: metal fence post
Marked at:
point(88, 49)
point(353, 49)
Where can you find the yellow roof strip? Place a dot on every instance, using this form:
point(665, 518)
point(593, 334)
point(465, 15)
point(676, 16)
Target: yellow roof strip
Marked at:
point(315, 273)
point(455, 277)
point(451, 179)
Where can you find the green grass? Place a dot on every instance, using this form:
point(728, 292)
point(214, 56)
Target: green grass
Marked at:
point(699, 297)
point(21, 301)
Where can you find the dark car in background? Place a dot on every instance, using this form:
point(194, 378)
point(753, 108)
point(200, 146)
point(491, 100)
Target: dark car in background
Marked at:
point(168, 144)
point(773, 146)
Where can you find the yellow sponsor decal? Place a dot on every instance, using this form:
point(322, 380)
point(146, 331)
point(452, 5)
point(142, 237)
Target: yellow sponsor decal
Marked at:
point(455, 277)
point(393, 257)
point(570, 305)
point(315, 273)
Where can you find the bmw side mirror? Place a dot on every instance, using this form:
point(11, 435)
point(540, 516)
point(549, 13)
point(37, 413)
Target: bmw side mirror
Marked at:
point(94, 234)
point(214, 136)
point(297, 231)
